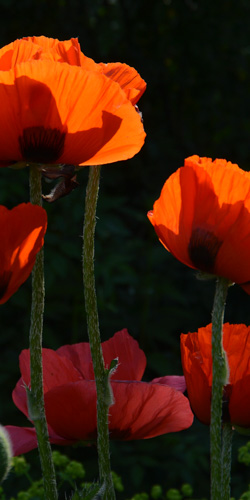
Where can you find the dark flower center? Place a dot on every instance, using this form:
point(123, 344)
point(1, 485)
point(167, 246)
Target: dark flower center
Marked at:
point(41, 145)
point(203, 248)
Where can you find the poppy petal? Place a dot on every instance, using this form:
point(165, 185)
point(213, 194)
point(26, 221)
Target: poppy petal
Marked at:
point(57, 370)
point(239, 403)
point(23, 228)
point(203, 217)
point(198, 386)
point(23, 439)
point(144, 410)
point(100, 124)
point(140, 410)
point(131, 359)
point(177, 382)
point(127, 77)
point(71, 410)
point(17, 52)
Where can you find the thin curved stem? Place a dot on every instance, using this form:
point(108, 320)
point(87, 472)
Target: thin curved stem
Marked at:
point(220, 374)
point(35, 395)
point(102, 389)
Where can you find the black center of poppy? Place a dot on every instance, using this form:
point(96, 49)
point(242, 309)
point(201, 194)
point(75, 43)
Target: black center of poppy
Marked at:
point(41, 145)
point(203, 248)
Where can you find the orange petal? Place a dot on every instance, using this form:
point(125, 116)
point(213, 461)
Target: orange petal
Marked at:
point(127, 77)
point(101, 125)
point(23, 229)
point(205, 208)
point(17, 52)
point(197, 369)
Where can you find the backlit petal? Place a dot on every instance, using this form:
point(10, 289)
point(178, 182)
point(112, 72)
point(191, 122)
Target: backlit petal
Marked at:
point(23, 229)
point(131, 359)
point(101, 125)
point(140, 410)
point(127, 77)
point(203, 218)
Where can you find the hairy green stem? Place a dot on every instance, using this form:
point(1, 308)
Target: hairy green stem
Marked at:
point(227, 434)
point(35, 395)
point(220, 373)
point(101, 380)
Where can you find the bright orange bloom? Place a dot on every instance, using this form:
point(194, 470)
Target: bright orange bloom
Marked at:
point(60, 107)
point(203, 218)
point(196, 353)
point(22, 232)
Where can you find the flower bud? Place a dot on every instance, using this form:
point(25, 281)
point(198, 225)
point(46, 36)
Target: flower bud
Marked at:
point(5, 454)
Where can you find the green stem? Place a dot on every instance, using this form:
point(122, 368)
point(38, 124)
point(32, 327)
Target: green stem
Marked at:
point(227, 434)
point(35, 395)
point(103, 401)
point(220, 372)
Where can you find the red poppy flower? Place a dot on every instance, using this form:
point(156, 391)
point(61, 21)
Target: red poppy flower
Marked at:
point(203, 218)
point(196, 353)
point(22, 236)
point(59, 107)
point(141, 410)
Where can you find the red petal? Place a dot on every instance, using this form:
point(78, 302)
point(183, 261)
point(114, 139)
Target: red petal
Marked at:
point(177, 382)
point(197, 369)
point(23, 439)
point(71, 410)
point(57, 370)
point(239, 404)
point(132, 360)
point(140, 411)
point(143, 411)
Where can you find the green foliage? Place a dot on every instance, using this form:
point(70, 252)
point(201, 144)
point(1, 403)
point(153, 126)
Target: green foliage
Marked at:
point(244, 454)
point(117, 481)
point(173, 494)
point(156, 491)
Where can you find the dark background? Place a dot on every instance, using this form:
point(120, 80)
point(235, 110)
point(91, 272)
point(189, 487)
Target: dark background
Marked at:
point(195, 58)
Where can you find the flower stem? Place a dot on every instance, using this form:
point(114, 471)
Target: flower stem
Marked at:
point(220, 373)
point(227, 434)
point(35, 395)
point(103, 402)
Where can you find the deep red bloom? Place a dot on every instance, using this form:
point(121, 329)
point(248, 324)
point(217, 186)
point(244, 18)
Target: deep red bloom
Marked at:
point(60, 107)
point(203, 218)
point(196, 353)
point(22, 236)
point(141, 410)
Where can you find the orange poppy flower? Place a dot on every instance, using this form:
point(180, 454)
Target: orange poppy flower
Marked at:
point(203, 218)
point(59, 107)
point(196, 353)
point(69, 51)
point(22, 236)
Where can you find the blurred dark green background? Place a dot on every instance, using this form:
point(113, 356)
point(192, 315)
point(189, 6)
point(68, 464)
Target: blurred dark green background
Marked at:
point(195, 58)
